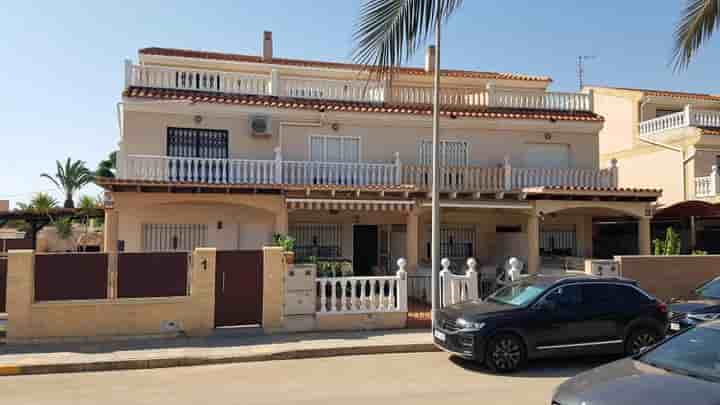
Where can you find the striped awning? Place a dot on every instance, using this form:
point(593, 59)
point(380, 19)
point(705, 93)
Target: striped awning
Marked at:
point(350, 205)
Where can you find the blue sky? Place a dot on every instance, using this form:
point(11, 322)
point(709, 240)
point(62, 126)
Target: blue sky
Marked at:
point(62, 75)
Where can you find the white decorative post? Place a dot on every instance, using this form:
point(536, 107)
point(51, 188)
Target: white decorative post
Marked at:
point(688, 115)
point(490, 88)
point(472, 279)
point(402, 292)
point(398, 169)
point(278, 166)
point(714, 180)
point(507, 172)
point(445, 283)
point(128, 73)
point(614, 173)
point(274, 82)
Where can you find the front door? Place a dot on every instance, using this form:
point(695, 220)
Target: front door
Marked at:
point(365, 249)
point(238, 287)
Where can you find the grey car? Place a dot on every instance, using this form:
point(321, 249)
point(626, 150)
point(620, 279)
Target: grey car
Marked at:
point(684, 369)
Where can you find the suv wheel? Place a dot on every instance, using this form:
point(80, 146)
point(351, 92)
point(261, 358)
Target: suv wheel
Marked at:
point(505, 354)
point(639, 339)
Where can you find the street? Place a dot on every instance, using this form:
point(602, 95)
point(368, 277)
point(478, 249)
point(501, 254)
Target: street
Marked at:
point(422, 378)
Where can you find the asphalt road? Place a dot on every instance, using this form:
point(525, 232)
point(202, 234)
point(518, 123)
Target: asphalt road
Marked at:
point(422, 378)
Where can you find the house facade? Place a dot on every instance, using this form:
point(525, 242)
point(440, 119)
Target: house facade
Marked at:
point(224, 150)
point(667, 140)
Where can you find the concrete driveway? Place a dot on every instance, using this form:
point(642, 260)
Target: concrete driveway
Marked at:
point(422, 378)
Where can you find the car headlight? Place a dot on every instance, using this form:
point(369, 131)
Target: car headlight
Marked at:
point(710, 316)
point(470, 325)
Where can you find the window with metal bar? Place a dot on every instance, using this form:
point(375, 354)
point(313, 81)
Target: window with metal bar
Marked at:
point(197, 143)
point(173, 237)
point(323, 241)
point(452, 153)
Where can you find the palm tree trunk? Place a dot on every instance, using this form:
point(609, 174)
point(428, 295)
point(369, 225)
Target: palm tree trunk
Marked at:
point(435, 231)
point(69, 201)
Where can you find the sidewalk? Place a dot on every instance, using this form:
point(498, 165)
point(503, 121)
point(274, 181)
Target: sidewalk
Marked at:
point(224, 347)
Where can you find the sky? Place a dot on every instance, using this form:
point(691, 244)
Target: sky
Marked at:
point(62, 71)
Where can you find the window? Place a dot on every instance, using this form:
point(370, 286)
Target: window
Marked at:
point(612, 295)
point(565, 296)
point(456, 242)
point(547, 156)
point(508, 229)
point(694, 353)
point(558, 242)
point(334, 148)
point(661, 113)
point(452, 153)
point(319, 240)
point(628, 295)
point(197, 143)
point(173, 237)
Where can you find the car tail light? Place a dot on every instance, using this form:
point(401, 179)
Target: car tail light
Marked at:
point(662, 307)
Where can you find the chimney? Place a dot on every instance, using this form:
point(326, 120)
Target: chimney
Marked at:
point(430, 58)
point(267, 54)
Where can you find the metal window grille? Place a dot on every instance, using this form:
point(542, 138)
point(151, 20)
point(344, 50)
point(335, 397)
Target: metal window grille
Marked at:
point(558, 242)
point(173, 237)
point(452, 153)
point(319, 240)
point(456, 243)
point(197, 143)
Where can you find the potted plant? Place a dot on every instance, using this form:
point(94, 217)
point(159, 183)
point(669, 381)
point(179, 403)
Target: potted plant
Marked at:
point(286, 242)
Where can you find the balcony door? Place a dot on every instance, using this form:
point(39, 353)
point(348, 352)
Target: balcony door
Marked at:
point(195, 147)
point(334, 148)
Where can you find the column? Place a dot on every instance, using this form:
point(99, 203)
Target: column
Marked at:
point(644, 236)
point(20, 294)
point(281, 221)
point(533, 233)
point(273, 294)
point(412, 240)
point(111, 230)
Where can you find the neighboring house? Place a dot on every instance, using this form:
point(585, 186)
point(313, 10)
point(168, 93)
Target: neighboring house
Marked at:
point(223, 150)
point(668, 140)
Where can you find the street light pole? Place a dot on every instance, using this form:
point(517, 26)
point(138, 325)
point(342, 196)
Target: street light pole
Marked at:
point(435, 232)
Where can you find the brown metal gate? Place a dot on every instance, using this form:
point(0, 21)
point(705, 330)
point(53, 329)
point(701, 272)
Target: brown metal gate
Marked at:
point(238, 287)
point(3, 282)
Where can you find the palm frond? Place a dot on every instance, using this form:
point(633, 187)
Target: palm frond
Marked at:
point(51, 178)
point(389, 32)
point(699, 21)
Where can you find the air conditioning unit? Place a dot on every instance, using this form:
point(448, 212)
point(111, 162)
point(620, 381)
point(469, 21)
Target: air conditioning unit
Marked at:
point(602, 268)
point(261, 125)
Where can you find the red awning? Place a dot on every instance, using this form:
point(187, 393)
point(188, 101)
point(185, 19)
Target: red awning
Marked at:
point(687, 209)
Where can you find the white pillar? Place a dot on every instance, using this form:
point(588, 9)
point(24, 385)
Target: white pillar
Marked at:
point(533, 233)
point(445, 283)
point(402, 292)
point(274, 82)
point(507, 172)
point(398, 169)
point(644, 235)
point(472, 277)
point(278, 166)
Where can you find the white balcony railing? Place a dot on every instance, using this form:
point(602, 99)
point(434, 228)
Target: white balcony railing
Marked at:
point(346, 90)
point(458, 288)
point(279, 171)
point(708, 186)
point(340, 295)
point(689, 117)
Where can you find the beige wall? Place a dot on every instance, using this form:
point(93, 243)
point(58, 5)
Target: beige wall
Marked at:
point(248, 221)
point(341, 322)
point(669, 277)
point(31, 321)
point(653, 167)
point(145, 129)
point(4, 205)
point(620, 110)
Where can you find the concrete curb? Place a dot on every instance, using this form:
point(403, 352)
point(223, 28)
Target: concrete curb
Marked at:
point(137, 364)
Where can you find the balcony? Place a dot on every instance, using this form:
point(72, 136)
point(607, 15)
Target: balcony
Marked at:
point(312, 173)
point(708, 186)
point(224, 82)
point(690, 117)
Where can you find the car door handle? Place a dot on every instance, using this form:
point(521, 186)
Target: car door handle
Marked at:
point(222, 286)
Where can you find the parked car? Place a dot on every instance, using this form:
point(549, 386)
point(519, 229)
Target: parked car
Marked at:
point(543, 316)
point(703, 306)
point(681, 370)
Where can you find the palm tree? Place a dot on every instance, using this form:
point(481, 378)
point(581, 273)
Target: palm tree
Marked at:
point(389, 33)
point(70, 178)
point(41, 203)
point(699, 20)
point(107, 167)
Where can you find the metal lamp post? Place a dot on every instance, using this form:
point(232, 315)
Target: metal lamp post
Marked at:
point(435, 231)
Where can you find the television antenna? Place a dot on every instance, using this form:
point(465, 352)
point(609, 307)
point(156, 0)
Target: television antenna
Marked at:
point(581, 68)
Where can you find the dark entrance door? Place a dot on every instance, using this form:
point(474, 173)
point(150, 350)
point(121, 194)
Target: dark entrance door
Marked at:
point(238, 287)
point(365, 249)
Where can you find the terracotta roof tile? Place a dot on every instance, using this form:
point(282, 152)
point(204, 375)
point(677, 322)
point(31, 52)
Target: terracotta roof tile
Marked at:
point(710, 131)
point(347, 106)
point(540, 190)
point(186, 53)
point(669, 93)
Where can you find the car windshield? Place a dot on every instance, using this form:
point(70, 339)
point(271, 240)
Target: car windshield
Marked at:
point(519, 294)
point(710, 289)
point(695, 353)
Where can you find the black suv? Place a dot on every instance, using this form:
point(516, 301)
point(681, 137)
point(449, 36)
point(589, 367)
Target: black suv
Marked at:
point(543, 316)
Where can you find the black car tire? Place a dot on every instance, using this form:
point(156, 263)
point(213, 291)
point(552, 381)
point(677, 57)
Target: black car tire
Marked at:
point(639, 338)
point(505, 353)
